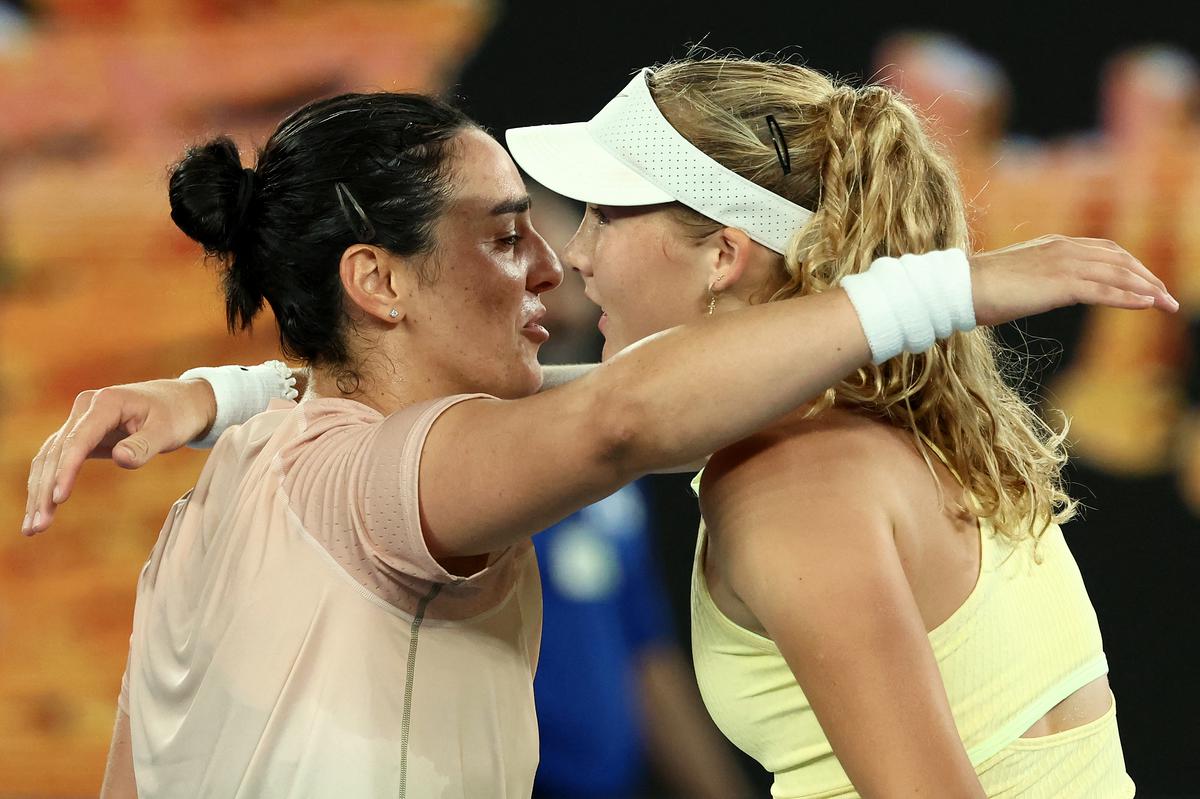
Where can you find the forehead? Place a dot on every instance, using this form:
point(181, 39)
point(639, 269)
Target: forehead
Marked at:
point(484, 174)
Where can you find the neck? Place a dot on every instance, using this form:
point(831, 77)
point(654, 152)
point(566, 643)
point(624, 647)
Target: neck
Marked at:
point(385, 387)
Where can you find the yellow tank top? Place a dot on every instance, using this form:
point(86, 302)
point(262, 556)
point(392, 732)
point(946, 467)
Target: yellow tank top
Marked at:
point(1025, 639)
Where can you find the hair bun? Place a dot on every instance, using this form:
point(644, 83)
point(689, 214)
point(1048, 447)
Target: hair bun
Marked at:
point(210, 193)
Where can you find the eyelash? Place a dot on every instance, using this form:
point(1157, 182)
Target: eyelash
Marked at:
point(601, 219)
point(511, 241)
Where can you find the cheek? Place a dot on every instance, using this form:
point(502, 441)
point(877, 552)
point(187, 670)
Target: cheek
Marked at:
point(643, 291)
point(497, 290)
point(480, 301)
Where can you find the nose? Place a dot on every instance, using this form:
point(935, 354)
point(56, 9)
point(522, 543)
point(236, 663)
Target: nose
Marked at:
point(545, 272)
point(576, 253)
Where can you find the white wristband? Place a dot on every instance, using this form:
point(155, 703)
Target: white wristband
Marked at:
point(241, 392)
point(905, 304)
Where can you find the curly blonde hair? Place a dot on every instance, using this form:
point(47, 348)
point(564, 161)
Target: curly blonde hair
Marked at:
point(879, 187)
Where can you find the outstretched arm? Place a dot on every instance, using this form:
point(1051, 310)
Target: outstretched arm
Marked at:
point(1009, 283)
point(495, 472)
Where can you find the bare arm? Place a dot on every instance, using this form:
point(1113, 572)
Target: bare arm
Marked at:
point(119, 782)
point(671, 401)
point(684, 745)
point(831, 593)
point(495, 472)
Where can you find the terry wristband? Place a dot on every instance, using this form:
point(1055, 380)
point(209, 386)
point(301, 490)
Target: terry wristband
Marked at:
point(905, 304)
point(241, 392)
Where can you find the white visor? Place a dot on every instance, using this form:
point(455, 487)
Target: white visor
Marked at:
point(629, 154)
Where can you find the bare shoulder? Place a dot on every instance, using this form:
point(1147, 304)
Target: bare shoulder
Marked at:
point(831, 460)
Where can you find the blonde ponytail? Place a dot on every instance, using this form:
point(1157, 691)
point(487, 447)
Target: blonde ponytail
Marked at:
point(879, 186)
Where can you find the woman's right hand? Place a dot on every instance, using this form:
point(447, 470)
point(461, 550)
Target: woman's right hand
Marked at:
point(130, 424)
point(1056, 271)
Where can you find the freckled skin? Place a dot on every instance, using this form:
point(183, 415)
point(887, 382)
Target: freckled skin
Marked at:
point(468, 320)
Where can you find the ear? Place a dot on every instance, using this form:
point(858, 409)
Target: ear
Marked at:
point(376, 281)
point(732, 255)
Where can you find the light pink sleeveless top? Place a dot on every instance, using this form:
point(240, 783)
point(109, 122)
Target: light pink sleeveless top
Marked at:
point(294, 637)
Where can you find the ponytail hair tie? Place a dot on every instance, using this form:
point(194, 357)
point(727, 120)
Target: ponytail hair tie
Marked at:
point(245, 194)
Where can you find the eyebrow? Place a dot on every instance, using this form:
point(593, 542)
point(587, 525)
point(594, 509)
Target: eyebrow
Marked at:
point(516, 205)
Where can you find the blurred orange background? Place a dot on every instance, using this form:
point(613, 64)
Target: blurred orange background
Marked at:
point(97, 285)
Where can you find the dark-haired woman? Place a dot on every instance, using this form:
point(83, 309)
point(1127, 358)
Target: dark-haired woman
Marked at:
point(346, 604)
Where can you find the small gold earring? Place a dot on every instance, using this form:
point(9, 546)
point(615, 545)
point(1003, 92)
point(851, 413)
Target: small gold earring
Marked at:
point(712, 303)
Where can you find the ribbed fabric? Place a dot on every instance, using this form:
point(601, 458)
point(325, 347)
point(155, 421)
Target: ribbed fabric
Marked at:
point(1025, 639)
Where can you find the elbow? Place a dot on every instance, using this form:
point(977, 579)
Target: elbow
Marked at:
point(623, 435)
point(637, 436)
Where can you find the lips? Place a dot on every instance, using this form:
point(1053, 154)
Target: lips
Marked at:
point(602, 323)
point(533, 328)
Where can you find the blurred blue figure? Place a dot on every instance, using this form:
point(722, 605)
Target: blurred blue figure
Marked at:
point(603, 606)
point(612, 688)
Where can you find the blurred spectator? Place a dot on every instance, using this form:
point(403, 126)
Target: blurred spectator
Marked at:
point(964, 93)
point(1149, 96)
point(1137, 181)
point(1126, 391)
point(965, 97)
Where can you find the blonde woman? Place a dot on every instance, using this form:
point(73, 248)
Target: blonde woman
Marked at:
point(883, 602)
point(853, 472)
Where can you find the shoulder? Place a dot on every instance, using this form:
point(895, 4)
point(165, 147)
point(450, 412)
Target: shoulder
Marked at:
point(828, 493)
point(317, 418)
point(832, 459)
point(248, 439)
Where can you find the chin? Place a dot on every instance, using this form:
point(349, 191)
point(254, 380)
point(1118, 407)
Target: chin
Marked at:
point(614, 347)
point(535, 379)
point(525, 381)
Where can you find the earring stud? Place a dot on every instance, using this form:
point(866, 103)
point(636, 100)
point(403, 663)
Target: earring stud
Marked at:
point(393, 313)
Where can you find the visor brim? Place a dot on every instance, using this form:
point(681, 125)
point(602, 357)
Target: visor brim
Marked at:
point(566, 160)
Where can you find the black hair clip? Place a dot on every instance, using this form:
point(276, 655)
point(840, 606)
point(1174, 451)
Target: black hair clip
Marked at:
point(355, 216)
point(781, 146)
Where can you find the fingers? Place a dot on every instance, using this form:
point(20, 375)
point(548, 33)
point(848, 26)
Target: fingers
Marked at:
point(1102, 294)
point(134, 451)
point(131, 424)
point(1111, 253)
point(1121, 278)
point(40, 486)
point(95, 415)
point(1143, 281)
point(105, 415)
point(33, 486)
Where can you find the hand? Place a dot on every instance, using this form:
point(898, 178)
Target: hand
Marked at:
point(130, 424)
point(1056, 271)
